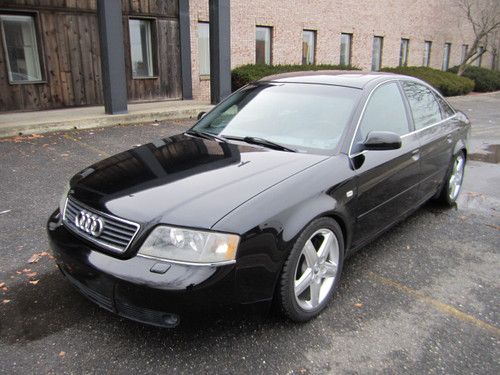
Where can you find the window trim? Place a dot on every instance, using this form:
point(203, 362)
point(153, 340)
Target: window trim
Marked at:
point(39, 45)
point(381, 38)
point(408, 109)
point(349, 49)
point(202, 76)
point(271, 44)
point(315, 46)
point(154, 47)
point(446, 56)
point(363, 110)
point(407, 52)
point(428, 55)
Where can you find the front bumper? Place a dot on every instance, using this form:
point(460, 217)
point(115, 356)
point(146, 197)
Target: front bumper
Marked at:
point(129, 287)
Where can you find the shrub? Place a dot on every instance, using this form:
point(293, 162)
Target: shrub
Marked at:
point(485, 79)
point(249, 73)
point(448, 84)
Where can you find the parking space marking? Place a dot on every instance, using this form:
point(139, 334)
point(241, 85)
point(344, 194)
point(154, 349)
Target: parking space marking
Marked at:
point(442, 307)
point(86, 145)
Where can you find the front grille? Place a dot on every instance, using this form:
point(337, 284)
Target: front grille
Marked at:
point(116, 234)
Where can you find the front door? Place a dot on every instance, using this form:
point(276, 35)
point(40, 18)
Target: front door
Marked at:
point(387, 180)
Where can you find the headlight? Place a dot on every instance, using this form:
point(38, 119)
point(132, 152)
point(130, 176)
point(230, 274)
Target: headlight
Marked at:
point(62, 202)
point(193, 246)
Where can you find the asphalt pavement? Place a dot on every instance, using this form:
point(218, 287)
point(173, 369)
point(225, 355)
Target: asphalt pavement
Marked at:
point(422, 299)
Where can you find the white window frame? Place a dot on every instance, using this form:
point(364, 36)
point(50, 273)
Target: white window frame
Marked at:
point(37, 53)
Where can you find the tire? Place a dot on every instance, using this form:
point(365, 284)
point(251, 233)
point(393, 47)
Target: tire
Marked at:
point(452, 184)
point(317, 273)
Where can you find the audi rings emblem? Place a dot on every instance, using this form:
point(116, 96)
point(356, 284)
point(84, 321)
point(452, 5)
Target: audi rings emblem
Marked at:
point(89, 223)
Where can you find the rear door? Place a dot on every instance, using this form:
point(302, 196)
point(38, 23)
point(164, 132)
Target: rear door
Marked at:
point(434, 126)
point(387, 180)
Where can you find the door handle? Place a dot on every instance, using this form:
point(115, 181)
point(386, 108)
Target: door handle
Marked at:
point(415, 154)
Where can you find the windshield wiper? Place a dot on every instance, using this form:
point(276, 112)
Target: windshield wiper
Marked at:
point(205, 135)
point(262, 142)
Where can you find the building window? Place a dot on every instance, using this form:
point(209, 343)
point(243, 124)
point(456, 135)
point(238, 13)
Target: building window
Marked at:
point(141, 47)
point(403, 53)
point(427, 53)
point(204, 48)
point(20, 44)
point(308, 47)
point(345, 49)
point(263, 43)
point(446, 56)
point(465, 50)
point(479, 60)
point(378, 42)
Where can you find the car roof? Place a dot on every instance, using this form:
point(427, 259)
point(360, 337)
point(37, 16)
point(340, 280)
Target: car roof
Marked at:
point(350, 78)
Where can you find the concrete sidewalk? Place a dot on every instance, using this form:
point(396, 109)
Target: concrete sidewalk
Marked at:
point(19, 123)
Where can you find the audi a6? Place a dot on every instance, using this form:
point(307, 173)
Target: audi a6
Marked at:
point(262, 200)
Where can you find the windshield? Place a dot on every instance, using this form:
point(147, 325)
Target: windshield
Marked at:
point(305, 117)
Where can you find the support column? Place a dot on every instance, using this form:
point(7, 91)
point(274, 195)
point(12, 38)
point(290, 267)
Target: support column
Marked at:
point(114, 79)
point(185, 41)
point(220, 49)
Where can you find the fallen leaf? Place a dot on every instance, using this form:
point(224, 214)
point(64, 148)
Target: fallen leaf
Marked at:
point(34, 258)
point(34, 282)
point(27, 270)
point(62, 354)
point(18, 272)
point(358, 305)
point(5, 289)
point(44, 254)
point(32, 274)
point(5, 301)
point(493, 226)
point(2, 285)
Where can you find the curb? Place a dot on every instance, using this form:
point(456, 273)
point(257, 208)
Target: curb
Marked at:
point(102, 121)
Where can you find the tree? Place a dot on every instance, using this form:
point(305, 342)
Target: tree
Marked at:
point(484, 19)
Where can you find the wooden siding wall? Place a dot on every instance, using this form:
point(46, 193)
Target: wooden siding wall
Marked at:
point(70, 54)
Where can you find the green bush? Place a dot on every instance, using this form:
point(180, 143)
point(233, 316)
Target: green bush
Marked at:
point(448, 84)
point(249, 73)
point(485, 79)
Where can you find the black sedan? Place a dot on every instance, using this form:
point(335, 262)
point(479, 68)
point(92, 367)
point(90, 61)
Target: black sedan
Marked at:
point(262, 199)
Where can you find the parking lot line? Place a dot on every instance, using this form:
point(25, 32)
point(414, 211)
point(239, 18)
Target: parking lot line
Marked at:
point(442, 307)
point(86, 145)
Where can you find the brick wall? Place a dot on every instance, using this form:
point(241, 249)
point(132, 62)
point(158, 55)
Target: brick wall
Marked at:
point(438, 21)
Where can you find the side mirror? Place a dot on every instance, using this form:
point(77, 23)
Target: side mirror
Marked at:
point(201, 114)
point(378, 140)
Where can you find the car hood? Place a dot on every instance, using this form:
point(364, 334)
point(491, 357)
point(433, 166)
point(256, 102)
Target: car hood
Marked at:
point(183, 180)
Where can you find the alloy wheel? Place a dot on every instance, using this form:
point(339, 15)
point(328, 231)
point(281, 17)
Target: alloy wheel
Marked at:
point(456, 177)
point(316, 269)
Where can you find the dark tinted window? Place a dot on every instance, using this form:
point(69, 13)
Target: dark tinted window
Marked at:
point(385, 111)
point(424, 106)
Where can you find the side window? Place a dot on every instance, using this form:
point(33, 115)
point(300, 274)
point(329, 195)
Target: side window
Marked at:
point(424, 106)
point(446, 110)
point(385, 111)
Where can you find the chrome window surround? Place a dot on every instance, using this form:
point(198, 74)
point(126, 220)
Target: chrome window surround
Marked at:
point(95, 240)
point(433, 90)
